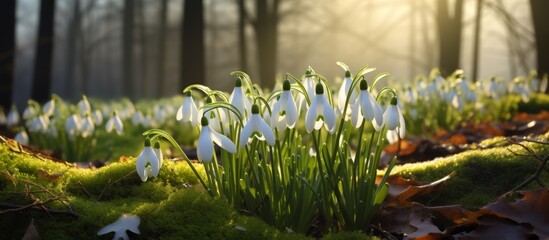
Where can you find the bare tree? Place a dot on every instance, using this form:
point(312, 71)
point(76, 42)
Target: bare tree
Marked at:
point(449, 27)
point(44, 52)
point(161, 47)
point(7, 52)
point(242, 50)
point(476, 41)
point(127, 48)
point(540, 17)
point(266, 32)
point(193, 60)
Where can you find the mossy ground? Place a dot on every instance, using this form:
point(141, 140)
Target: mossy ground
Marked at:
point(482, 175)
point(170, 206)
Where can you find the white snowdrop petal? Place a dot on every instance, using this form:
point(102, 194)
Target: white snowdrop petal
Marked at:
point(223, 141)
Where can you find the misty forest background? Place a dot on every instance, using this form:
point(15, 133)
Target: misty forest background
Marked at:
point(154, 48)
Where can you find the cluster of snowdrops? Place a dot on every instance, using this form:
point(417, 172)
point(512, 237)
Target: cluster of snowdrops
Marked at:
point(301, 153)
point(295, 155)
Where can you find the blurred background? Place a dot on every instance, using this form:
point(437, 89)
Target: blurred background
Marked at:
point(154, 48)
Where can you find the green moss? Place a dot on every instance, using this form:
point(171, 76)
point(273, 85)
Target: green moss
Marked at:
point(167, 206)
point(350, 236)
point(481, 176)
point(537, 103)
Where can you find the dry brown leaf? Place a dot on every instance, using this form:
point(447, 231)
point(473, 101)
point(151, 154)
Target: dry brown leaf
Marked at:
point(407, 147)
point(401, 190)
point(494, 227)
point(457, 139)
point(42, 174)
point(531, 209)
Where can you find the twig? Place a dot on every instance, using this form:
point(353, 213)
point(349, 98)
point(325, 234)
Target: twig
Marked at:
point(111, 183)
point(531, 153)
point(36, 206)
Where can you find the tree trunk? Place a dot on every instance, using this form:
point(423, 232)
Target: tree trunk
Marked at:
point(44, 52)
point(476, 42)
point(192, 56)
point(161, 47)
point(143, 86)
point(449, 36)
point(127, 49)
point(540, 17)
point(7, 52)
point(242, 51)
point(266, 30)
point(73, 31)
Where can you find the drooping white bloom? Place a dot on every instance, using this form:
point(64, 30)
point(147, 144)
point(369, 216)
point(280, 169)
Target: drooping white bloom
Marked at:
point(256, 127)
point(138, 118)
point(366, 107)
point(343, 92)
point(217, 117)
point(320, 113)
point(22, 137)
point(188, 112)
point(88, 127)
point(159, 114)
point(492, 89)
point(84, 106)
point(39, 124)
point(13, 117)
point(309, 83)
point(97, 117)
point(285, 112)
point(208, 136)
point(115, 123)
point(239, 100)
point(147, 163)
point(48, 108)
point(30, 112)
point(123, 224)
point(158, 151)
point(73, 126)
point(393, 119)
point(390, 116)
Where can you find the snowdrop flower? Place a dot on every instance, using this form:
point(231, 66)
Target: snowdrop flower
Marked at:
point(52, 129)
point(158, 153)
point(256, 127)
point(147, 163)
point(366, 107)
point(320, 112)
point(188, 112)
point(309, 84)
point(239, 100)
point(208, 136)
point(88, 127)
point(138, 118)
point(115, 123)
point(123, 224)
point(22, 137)
point(13, 117)
point(97, 117)
point(285, 112)
point(217, 117)
point(492, 89)
point(73, 125)
point(39, 124)
point(48, 108)
point(393, 119)
point(159, 114)
point(30, 112)
point(84, 106)
point(343, 91)
point(521, 89)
